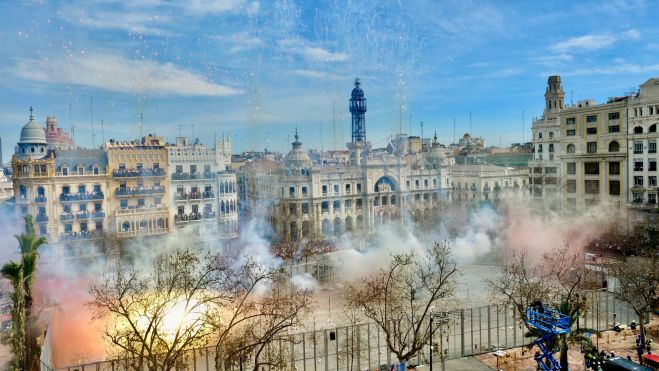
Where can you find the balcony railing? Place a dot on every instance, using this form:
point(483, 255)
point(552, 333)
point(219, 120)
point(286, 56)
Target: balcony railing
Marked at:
point(73, 197)
point(184, 218)
point(209, 215)
point(99, 214)
point(67, 217)
point(208, 194)
point(83, 235)
point(138, 173)
point(83, 215)
point(140, 191)
point(194, 195)
point(41, 218)
point(40, 199)
point(140, 209)
point(193, 176)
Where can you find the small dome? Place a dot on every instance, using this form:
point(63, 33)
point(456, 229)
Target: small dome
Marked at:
point(357, 92)
point(297, 157)
point(466, 136)
point(32, 133)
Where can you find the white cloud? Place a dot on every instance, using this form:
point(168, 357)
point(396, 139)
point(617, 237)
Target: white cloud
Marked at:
point(553, 60)
point(115, 73)
point(587, 42)
point(310, 73)
point(243, 41)
point(147, 16)
point(310, 52)
point(593, 42)
point(628, 68)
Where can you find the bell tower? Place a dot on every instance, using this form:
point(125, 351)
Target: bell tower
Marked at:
point(358, 111)
point(554, 95)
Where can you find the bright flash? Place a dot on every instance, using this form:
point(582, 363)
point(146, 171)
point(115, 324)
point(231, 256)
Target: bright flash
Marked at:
point(176, 317)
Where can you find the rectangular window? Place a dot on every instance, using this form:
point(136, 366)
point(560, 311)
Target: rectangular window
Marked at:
point(614, 187)
point(591, 131)
point(139, 166)
point(591, 168)
point(570, 133)
point(652, 181)
point(614, 115)
point(83, 207)
point(571, 186)
point(592, 186)
point(336, 206)
point(359, 188)
point(550, 170)
point(82, 189)
point(348, 204)
point(140, 202)
point(291, 191)
point(179, 169)
point(305, 208)
point(551, 181)
point(416, 184)
point(637, 197)
point(571, 168)
point(324, 190)
point(614, 168)
point(652, 164)
point(652, 147)
point(336, 189)
point(652, 198)
point(638, 147)
point(324, 206)
point(304, 190)
point(348, 188)
point(551, 147)
point(638, 181)
point(638, 164)
point(570, 121)
point(591, 147)
point(591, 118)
point(123, 204)
point(614, 128)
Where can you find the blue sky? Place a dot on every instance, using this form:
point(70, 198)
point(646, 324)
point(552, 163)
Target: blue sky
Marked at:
point(256, 70)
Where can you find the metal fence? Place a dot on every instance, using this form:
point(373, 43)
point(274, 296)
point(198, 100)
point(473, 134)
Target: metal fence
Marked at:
point(363, 347)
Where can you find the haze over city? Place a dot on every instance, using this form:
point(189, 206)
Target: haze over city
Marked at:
point(256, 70)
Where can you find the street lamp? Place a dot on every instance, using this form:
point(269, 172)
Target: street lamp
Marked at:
point(443, 319)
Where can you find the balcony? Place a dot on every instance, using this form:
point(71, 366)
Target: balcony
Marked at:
point(41, 218)
point(140, 209)
point(22, 199)
point(40, 199)
point(98, 214)
point(138, 173)
point(209, 215)
point(76, 197)
point(67, 216)
point(83, 235)
point(208, 194)
point(193, 176)
point(194, 217)
point(180, 218)
point(139, 191)
point(83, 215)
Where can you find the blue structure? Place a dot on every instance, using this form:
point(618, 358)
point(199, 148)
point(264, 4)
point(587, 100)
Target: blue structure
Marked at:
point(358, 110)
point(549, 323)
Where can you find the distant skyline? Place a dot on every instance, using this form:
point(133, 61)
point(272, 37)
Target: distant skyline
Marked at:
point(256, 70)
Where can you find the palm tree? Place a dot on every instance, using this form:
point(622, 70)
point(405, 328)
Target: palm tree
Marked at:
point(13, 272)
point(577, 335)
point(29, 244)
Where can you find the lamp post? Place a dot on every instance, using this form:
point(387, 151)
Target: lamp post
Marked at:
point(443, 317)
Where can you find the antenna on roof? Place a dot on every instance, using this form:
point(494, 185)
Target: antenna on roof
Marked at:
point(91, 109)
point(141, 123)
point(102, 132)
point(470, 132)
point(333, 126)
point(321, 138)
point(454, 130)
point(71, 126)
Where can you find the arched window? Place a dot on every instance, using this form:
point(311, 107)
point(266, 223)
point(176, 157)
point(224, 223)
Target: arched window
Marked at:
point(614, 146)
point(125, 227)
point(551, 135)
point(638, 130)
point(539, 135)
point(653, 128)
point(570, 148)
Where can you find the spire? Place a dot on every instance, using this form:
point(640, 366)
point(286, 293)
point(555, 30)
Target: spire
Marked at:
point(358, 111)
point(31, 114)
point(434, 138)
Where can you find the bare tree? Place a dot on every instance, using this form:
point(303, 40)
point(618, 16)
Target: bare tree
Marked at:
point(559, 279)
point(156, 316)
point(638, 280)
point(259, 309)
point(399, 298)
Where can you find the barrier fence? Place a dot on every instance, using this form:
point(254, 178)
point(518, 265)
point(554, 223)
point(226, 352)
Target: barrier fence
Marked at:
point(362, 346)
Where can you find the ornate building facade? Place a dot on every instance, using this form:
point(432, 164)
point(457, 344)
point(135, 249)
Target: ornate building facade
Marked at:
point(307, 201)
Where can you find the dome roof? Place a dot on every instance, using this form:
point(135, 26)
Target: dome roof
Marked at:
point(297, 157)
point(357, 92)
point(32, 133)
